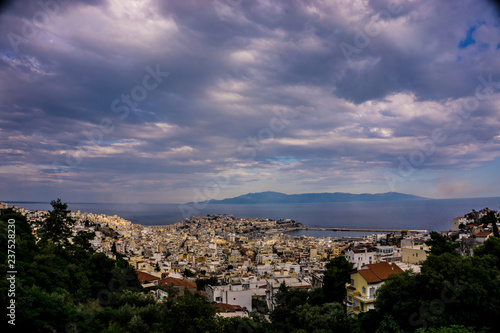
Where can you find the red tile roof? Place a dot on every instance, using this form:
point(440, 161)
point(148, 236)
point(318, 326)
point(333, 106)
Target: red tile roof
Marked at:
point(303, 287)
point(145, 277)
point(379, 272)
point(223, 307)
point(362, 251)
point(369, 276)
point(384, 269)
point(170, 281)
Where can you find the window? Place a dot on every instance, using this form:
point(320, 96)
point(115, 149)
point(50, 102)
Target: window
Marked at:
point(352, 282)
point(364, 290)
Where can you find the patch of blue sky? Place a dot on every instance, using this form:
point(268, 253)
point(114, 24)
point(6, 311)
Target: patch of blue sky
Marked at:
point(110, 143)
point(252, 171)
point(283, 160)
point(469, 39)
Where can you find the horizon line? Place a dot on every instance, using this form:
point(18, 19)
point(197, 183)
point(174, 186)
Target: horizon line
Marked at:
point(207, 201)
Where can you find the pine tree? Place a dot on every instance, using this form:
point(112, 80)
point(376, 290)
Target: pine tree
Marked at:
point(57, 226)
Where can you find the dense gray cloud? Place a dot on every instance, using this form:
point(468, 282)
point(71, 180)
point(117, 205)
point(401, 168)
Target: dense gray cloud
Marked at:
point(160, 100)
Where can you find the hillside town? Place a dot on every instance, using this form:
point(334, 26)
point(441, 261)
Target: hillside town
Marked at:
point(248, 259)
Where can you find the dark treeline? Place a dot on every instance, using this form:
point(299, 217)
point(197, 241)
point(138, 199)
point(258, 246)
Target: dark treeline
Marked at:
point(65, 286)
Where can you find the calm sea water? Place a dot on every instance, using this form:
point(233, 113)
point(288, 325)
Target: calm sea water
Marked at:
point(425, 214)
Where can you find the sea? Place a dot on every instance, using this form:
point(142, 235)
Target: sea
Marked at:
point(431, 215)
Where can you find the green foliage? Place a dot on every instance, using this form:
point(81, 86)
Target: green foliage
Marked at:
point(81, 242)
point(449, 329)
point(329, 317)
point(57, 226)
point(241, 325)
point(59, 283)
point(337, 274)
point(367, 322)
point(490, 250)
point(39, 310)
point(388, 325)
point(188, 272)
point(191, 314)
point(450, 290)
point(488, 219)
point(306, 311)
point(24, 247)
point(440, 244)
point(201, 283)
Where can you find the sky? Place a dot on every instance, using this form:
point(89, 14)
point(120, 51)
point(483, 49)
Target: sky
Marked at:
point(180, 101)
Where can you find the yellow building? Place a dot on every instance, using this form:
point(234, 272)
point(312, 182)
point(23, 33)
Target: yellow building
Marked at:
point(362, 290)
point(414, 254)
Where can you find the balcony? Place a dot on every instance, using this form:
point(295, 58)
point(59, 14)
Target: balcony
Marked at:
point(365, 299)
point(353, 309)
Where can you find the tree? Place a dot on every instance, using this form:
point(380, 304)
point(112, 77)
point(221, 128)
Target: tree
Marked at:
point(337, 274)
point(82, 241)
point(113, 249)
point(188, 273)
point(201, 283)
point(388, 325)
point(488, 219)
point(449, 329)
point(490, 250)
point(440, 244)
point(189, 313)
point(329, 317)
point(450, 290)
point(57, 226)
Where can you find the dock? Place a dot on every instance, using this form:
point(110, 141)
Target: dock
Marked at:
point(363, 230)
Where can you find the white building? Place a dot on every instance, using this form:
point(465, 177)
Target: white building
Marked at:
point(263, 269)
point(455, 223)
point(360, 258)
point(231, 294)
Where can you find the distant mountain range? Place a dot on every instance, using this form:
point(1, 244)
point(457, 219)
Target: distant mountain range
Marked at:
point(282, 198)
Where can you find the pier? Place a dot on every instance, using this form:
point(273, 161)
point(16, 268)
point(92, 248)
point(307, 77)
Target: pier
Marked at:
point(350, 229)
point(363, 230)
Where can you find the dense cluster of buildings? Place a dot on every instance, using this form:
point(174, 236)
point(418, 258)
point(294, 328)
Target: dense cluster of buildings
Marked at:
point(250, 258)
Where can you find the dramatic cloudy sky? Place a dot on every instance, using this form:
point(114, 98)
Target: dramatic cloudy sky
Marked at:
point(177, 101)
